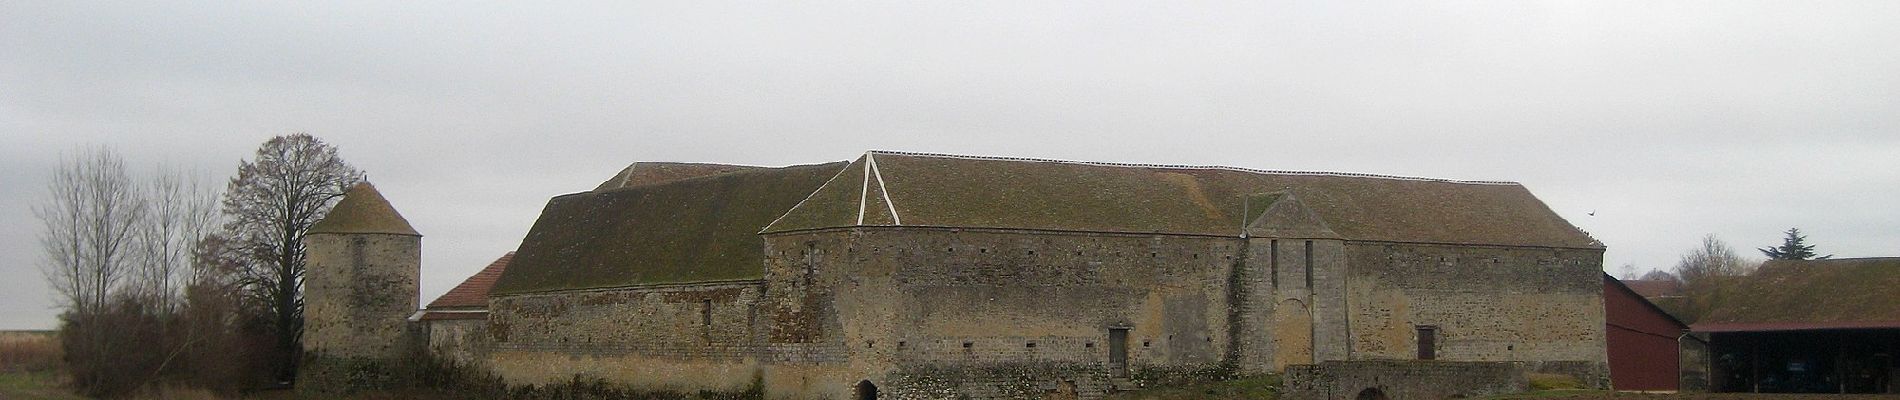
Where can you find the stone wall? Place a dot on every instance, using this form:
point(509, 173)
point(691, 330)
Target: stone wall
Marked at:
point(461, 341)
point(656, 337)
point(1485, 303)
point(1408, 380)
point(359, 291)
point(994, 314)
point(925, 312)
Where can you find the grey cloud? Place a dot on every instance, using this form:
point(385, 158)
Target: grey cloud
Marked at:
point(1669, 120)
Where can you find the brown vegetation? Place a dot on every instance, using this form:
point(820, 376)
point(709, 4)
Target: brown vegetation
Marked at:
point(28, 352)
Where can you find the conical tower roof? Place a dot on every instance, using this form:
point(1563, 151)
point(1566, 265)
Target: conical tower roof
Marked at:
point(363, 210)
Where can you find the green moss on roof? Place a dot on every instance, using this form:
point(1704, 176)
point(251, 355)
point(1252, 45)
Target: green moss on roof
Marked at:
point(687, 230)
point(955, 191)
point(649, 173)
point(1815, 291)
point(363, 210)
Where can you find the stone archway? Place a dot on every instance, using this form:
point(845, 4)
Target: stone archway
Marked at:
point(866, 390)
point(1370, 394)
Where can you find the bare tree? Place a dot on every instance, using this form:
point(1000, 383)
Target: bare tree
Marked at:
point(1710, 263)
point(1626, 272)
point(89, 225)
point(181, 210)
point(270, 206)
point(1659, 275)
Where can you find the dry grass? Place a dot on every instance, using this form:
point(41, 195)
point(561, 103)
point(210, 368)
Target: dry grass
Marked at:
point(1554, 382)
point(28, 351)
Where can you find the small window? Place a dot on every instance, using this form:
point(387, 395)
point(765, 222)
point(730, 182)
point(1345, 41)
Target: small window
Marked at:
point(968, 344)
point(1427, 342)
point(1030, 345)
point(1273, 262)
point(705, 312)
point(1309, 264)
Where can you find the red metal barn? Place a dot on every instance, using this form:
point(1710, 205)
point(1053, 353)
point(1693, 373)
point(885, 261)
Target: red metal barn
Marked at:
point(1644, 354)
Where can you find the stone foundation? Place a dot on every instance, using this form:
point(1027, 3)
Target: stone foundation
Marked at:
point(1409, 380)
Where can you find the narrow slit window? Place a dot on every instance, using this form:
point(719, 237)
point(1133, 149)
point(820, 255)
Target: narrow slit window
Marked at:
point(1273, 262)
point(1309, 264)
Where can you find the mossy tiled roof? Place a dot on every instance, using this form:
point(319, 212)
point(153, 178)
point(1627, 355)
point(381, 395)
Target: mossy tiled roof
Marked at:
point(701, 228)
point(363, 210)
point(1814, 293)
point(702, 222)
point(649, 173)
point(886, 188)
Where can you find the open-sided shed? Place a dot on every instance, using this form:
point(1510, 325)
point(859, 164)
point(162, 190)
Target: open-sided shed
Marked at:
point(1816, 326)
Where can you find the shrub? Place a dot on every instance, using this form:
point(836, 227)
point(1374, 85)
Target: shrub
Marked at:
point(129, 349)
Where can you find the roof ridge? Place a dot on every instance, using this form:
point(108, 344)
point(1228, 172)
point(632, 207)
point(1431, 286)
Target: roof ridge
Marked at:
point(814, 192)
point(1201, 167)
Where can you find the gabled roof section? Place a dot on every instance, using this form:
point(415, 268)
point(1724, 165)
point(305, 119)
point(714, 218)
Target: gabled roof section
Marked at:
point(1654, 288)
point(1286, 217)
point(650, 173)
point(688, 230)
point(473, 292)
point(1611, 283)
point(363, 210)
point(857, 196)
point(1015, 193)
point(1812, 294)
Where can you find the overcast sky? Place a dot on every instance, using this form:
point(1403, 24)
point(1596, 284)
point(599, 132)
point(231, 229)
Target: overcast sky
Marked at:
point(1668, 120)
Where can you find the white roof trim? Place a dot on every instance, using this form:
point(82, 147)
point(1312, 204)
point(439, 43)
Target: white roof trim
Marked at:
point(1202, 167)
point(882, 189)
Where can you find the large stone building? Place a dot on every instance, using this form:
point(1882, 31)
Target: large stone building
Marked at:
point(907, 275)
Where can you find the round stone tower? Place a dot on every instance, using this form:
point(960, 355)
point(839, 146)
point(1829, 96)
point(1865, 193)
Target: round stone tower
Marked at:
point(360, 283)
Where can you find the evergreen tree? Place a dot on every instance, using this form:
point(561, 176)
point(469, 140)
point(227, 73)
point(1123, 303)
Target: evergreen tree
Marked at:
point(1794, 247)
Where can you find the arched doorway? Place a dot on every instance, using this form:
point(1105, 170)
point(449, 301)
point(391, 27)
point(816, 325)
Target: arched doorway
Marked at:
point(1371, 394)
point(867, 391)
point(1292, 334)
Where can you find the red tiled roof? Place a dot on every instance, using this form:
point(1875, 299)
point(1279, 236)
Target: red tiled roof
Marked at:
point(442, 315)
point(1791, 326)
point(472, 293)
point(1654, 289)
